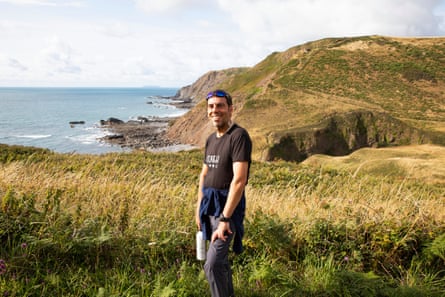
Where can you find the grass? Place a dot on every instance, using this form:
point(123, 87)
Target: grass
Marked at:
point(369, 224)
point(394, 78)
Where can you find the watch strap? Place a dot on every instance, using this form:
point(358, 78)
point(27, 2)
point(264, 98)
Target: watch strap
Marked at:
point(222, 218)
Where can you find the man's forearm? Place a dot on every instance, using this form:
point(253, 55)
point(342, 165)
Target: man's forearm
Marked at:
point(234, 197)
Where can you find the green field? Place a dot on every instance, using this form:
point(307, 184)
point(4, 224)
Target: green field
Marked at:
point(368, 224)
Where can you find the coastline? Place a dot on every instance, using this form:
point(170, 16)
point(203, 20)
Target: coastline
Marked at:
point(145, 133)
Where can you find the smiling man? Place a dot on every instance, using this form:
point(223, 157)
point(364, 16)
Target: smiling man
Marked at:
point(221, 200)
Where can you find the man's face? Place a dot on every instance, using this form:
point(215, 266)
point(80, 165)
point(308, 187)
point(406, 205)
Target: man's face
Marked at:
point(219, 112)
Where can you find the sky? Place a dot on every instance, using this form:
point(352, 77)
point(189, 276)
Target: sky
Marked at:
point(171, 43)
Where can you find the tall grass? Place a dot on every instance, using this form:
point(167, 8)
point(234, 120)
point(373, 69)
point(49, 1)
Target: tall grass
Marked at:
point(123, 225)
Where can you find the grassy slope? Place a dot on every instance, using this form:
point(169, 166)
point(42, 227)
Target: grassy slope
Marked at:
point(419, 162)
point(382, 210)
point(300, 87)
point(404, 77)
point(123, 224)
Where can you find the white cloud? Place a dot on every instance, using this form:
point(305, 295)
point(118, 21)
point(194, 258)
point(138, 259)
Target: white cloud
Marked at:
point(44, 2)
point(59, 57)
point(151, 6)
point(116, 29)
point(13, 63)
point(288, 21)
point(173, 42)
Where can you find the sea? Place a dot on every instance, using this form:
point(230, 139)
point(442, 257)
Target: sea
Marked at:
point(40, 117)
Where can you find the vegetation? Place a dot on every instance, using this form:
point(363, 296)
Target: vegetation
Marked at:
point(399, 81)
point(370, 224)
point(367, 224)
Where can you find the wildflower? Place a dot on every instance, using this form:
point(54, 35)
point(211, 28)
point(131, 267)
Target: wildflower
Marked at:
point(346, 259)
point(2, 266)
point(24, 245)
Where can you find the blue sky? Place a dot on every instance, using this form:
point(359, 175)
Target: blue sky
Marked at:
point(171, 43)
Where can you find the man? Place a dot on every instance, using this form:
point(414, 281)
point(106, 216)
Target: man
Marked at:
point(221, 199)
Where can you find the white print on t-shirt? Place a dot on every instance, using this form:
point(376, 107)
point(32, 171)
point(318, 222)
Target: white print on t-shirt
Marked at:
point(212, 161)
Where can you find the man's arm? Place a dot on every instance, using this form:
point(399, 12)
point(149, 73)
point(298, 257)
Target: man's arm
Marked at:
point(240, 172)
point(201, 184)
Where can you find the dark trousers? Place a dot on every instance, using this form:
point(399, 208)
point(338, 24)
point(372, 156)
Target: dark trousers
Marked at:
point(217, 266)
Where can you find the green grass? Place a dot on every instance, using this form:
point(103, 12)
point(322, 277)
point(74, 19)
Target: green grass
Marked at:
point(394, 78)
point(123, 225)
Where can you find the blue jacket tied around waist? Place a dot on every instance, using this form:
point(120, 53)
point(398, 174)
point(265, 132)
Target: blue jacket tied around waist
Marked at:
point(212, 204)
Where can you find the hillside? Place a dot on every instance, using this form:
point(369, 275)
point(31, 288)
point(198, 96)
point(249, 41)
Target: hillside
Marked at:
point(331, 96)
point(121, 224)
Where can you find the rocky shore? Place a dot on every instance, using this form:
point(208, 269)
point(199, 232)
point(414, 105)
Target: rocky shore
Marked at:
point(144, 133)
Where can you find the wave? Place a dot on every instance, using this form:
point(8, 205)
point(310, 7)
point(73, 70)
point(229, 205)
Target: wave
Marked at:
point(92, 136)
point(34, 136)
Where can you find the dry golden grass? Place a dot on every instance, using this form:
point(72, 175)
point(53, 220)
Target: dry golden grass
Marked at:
point(421, 162)
point(369, 186)
point(131, 199)
point(378, 185)
point(138, 209)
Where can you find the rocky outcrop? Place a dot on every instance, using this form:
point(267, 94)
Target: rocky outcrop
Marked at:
point(144, 133)
point(342, 134)
point(209, 81)
point(111, 121)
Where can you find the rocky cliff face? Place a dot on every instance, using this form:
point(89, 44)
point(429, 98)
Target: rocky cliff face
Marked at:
point(342, 134)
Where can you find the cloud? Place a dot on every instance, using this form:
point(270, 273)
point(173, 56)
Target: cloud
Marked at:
point(58, 56)
point(177, 41)
point(44, 2)
point(274, 22)
point(138, 66)
point(13, 63)
point(158, 6)
point(150, 6)
point(116, 29)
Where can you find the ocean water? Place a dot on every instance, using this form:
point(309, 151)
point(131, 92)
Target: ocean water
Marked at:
point(41, 117)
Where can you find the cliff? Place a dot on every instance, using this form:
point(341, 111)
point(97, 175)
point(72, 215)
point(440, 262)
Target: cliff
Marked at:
point(331, 96)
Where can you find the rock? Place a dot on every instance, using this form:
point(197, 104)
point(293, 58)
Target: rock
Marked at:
point(341, 134)
point(145, 134)
point(114, 137)
point(142, 119)
point(77, 122)
point(111, 121)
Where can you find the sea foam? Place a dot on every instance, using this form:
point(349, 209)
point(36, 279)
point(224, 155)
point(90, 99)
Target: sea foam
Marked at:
point(34, 136)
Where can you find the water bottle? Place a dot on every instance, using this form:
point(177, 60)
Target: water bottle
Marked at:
point(200, 246)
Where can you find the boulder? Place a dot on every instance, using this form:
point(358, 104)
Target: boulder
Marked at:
point(111, 122)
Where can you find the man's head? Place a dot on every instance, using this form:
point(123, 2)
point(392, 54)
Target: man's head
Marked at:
point(219, 109)
point(220, 93)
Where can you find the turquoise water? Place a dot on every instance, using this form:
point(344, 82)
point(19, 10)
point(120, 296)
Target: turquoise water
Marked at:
point(40, 116)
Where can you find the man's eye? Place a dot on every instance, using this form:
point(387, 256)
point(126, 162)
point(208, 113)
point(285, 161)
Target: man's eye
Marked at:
point(211, 106)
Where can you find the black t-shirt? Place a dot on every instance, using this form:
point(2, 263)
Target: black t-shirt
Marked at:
point(220, 153)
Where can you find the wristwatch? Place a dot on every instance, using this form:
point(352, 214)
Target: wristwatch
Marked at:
point(222, 218)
